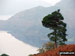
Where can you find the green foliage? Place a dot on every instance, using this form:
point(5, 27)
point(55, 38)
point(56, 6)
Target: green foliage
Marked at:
point(47, 46)
point(51, 20)
point(41, 50)
point(61, 43)
point(54, 21)
point(4, 55)
point(30, 55)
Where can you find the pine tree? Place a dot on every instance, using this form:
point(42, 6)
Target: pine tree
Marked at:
point(54, 21)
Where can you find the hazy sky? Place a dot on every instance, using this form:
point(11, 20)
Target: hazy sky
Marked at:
point(11, 7)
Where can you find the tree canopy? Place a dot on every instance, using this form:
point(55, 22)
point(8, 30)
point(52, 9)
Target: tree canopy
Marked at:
point(4, 55)
point(54, 21)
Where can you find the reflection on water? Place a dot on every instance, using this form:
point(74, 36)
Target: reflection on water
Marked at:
point(14, 47)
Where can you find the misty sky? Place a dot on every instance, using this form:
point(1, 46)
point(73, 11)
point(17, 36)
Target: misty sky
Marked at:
point(11, 7)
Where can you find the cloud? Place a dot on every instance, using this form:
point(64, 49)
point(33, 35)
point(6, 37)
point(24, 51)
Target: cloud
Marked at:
point(6, 17)
point(8, 7)
point(52, 2)
point(13, 47)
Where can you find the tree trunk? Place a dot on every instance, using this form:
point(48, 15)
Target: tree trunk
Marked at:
point(55, 39)
point(55, 44)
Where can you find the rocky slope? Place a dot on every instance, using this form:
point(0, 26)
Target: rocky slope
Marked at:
point(55, 52)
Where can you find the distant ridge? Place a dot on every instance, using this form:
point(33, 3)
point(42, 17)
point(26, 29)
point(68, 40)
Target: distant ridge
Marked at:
point(27, 27)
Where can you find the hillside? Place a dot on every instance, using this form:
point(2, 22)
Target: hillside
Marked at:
point(26, 26)
point(55, 52)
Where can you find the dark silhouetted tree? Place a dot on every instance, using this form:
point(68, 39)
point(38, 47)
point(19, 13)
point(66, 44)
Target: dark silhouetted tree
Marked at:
point(54, 21)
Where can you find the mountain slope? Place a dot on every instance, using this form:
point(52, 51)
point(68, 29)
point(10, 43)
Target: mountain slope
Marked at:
point(27, 27)
point(56, 52)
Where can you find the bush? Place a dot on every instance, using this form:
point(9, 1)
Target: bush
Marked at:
point(47, 46)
